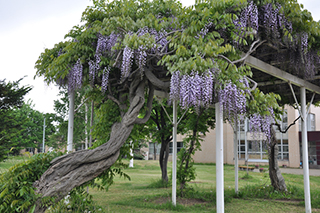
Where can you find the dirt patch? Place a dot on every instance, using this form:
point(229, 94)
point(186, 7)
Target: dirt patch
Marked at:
point(182, 201)
point(289, 200)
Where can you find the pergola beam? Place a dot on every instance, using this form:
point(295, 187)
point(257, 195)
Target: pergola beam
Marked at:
point(276, 72)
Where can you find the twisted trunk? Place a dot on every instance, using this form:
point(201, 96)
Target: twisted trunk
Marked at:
point(277, 180)
point(74, 169)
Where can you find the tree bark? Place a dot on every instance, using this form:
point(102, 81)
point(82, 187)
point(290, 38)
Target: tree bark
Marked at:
point(154, 151)
point(277, 180)
point(74, 169)
point(163, 160)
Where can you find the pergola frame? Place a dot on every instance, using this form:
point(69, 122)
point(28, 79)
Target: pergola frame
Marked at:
point(275, 72)
point(304, 85)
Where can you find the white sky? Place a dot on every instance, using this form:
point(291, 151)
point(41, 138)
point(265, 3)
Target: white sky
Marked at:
point(27, 27)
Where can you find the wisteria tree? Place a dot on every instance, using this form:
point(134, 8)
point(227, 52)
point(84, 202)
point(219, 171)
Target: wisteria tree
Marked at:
point(129, 49)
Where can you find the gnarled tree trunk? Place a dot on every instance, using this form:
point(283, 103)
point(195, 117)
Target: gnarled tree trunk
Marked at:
point(277, 180)
point(74, 169)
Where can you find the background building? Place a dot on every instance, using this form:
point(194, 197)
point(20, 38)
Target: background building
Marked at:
point(253, 149)
point(290, 153)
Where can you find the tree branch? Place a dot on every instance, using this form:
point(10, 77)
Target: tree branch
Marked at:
point(81, 105)
point(115, 62)
point(156, 81)
point(284, 131)
point(149, 106)
point(114, 100)
point(251, 50)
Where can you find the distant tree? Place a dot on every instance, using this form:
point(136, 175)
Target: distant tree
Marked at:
point(31, 134)
point(197, 124)
point(161, 132)
point(11, 96)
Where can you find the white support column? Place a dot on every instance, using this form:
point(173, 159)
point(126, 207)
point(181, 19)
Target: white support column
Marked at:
point(174, 154)
point(245, 140)
point(219, 160)
point(86, 126)
point(304, 138)
point(70, 122)
point(44, 135)
point(235, 150)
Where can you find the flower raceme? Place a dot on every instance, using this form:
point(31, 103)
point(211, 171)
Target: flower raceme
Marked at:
point(193, 89)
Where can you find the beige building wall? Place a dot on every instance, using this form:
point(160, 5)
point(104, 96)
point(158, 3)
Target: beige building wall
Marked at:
point(208, 149)
point(293, 138)
point(207, 154)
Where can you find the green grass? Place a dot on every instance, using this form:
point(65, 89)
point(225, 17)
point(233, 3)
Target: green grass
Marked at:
point(146, 193)
point(256, 194)
point(12, 160)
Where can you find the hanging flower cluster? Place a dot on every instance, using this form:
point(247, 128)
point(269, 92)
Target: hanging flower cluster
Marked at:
point(129, 55)
point(248, 18)
point(232, 100)
point(259, 123)
point(192, 89)
point(75, 76)
point(105, 43)
point(126, 62)
point(272, 25)
point(105, 78)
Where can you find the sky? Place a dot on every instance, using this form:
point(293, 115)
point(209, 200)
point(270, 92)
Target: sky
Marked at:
point(27, 27)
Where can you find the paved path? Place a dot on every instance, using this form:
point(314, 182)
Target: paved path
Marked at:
point(312, 172)
point(296, 171)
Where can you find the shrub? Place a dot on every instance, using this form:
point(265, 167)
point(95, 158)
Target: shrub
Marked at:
point(17, 192)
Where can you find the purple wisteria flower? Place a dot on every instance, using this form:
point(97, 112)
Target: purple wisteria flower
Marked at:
point(105, 78)
point(192, 89)
point(259, 123)
point(111, 41)
point(75, 76)
point(175, 86)
point(233, 101)
point(126, 62)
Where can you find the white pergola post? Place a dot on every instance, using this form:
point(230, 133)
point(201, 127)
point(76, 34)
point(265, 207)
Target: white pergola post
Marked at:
point(219, 160)
point(70, 121)
point(235, 150)
point(174, 154)
point(304, 138)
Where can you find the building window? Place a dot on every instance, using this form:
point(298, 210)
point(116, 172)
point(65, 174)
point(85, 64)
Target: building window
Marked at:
point(242, 149)
point(283, 139)
point(311, 122)
point(179, 147)
point(257, 149)
point(283, 150)
point(153, 146)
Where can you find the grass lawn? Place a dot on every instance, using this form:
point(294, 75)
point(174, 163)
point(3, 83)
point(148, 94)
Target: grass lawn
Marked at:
point(256, 194)
point(135, 196)
point(4, 166)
